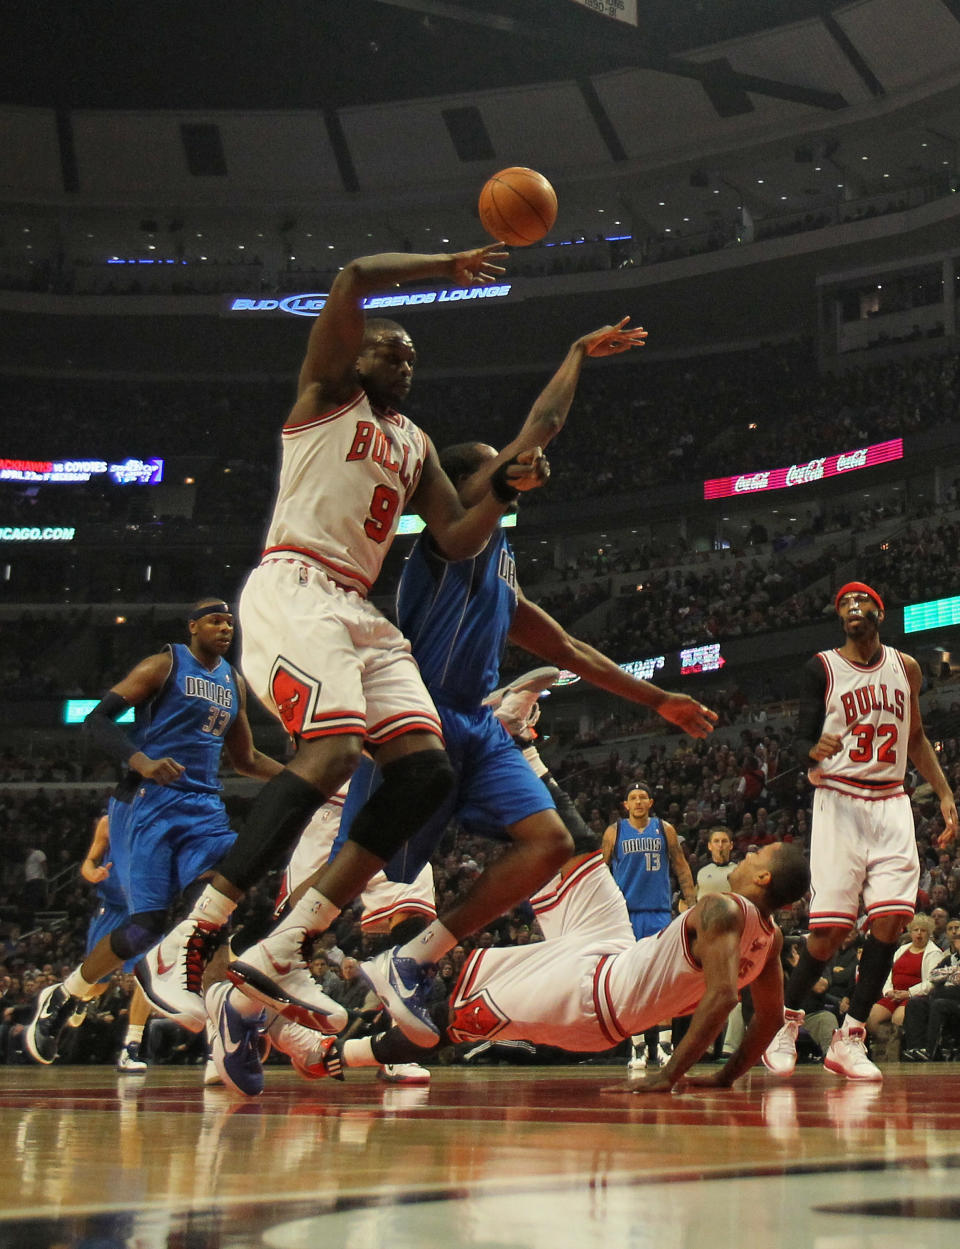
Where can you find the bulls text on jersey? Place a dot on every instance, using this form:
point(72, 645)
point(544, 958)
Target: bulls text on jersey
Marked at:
point(369, 441)
point(870, 697)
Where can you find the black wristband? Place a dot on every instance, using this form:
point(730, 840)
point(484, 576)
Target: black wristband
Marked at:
point(500, 486)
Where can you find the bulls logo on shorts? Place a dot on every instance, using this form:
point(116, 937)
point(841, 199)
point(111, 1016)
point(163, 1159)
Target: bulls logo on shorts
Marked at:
point(294, 696)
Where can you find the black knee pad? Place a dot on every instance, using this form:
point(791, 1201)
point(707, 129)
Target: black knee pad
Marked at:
point(138, 933)
point(413, 788)
point(280, 813)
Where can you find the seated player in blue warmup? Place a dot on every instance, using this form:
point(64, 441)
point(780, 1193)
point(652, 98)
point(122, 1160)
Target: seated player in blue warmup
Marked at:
point(168, 825)
point(458, 617)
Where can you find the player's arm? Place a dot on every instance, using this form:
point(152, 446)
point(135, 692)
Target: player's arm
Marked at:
point(460, 532)
point(327, 375)
point(93, 868)
point(550, 409)
point(238, 742)
point(681, 868)
point(811, 743)
point(717, 922)
point(137, 687)
point(924, 757)
point(608, 843)
point(767, 994)
point(537, 631)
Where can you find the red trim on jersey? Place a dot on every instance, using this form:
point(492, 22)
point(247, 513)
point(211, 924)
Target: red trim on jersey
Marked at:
point(685, 941)
point(304, 553)
point(324, 416)
point(829, 672)
point(549, 901)
point(343, 730)
point(896, 906)
point(465, 981)
point(404, 722)
point(825, 784)
point(852, 663)
point(826, 920)
point(602, 1005)
point(369, 918)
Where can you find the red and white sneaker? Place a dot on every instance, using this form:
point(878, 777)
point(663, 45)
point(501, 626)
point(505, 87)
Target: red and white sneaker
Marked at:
point(275, 973)
point(780, 1056)
point(403, 1073)
point(311, 1054)
point(847, 1055)
point(171, 974)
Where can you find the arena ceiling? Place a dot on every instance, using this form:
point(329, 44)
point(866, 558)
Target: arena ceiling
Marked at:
point(333, 53)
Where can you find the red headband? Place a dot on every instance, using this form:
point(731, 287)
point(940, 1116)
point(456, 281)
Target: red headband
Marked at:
point(857, 587)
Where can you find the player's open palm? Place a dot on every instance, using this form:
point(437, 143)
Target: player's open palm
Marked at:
point(611, 340)
point(479, 265)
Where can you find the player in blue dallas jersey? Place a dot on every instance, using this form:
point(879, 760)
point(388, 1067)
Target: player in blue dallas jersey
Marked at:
point(458, 616)
point(168, 825)
point(640, 851)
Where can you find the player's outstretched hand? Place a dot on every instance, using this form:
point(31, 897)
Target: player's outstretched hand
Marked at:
point(611, 340)
point(687, 714)
point(160, 771)
point(715, 1080)
point(529, 470)
point(948, 809)
point(478, 266)
point(651, 1082)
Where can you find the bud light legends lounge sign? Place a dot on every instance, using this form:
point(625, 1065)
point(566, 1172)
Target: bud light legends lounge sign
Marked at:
point(801, 474)
point(309, 305)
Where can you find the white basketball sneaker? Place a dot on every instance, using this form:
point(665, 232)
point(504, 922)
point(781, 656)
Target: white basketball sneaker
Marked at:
point(847, 1055)
point(780, 1056)
point(171, 974)
point(275, 972)
point(638, 1057)
point(403, 1073)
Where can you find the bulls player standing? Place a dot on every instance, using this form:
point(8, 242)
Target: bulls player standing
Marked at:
point(321, 657)
point(860, 721)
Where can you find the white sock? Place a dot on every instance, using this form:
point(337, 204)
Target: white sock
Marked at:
point(134, 1034)
point(358, 1052)
point(213, 907)
point(76, 986)
point(243, 1005)
point(430, 946)
point(314, 913)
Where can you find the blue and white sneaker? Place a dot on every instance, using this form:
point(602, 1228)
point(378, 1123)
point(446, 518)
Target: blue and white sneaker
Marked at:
point(51, 1017)
point(401, 985)
point(236, 1042)
point(130, 1063)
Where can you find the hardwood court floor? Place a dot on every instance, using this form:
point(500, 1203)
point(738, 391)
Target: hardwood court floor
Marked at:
point(490, 1158)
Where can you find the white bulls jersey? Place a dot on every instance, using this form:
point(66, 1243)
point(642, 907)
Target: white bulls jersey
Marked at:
point(868, 707)
point(345, 479)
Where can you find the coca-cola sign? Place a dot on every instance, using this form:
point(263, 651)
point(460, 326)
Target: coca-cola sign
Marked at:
point(800, 474)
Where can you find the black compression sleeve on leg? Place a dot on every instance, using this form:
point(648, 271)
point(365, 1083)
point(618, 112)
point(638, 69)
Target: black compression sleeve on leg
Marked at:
point(138, 933)
point(583, 839)
point(393, 1047)
point(875, 963)
point(802, 979)
point(413, 788)
point(280, 813)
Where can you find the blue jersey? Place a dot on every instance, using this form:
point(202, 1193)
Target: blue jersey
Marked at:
point(457, 617)
point(641, 866)
point(187, 720)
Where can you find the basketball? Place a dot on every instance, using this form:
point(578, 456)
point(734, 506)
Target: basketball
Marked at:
point(518, 206)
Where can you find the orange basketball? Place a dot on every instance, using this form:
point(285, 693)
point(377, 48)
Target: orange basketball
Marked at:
point(518, 206)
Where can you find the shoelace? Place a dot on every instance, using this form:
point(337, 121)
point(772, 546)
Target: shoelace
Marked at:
point(195, 959)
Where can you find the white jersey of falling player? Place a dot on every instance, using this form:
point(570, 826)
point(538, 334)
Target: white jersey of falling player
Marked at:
point(345, 479)
point(868, 707)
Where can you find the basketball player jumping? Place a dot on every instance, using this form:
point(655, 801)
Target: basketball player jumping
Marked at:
point(328, 664)
point(859, 722)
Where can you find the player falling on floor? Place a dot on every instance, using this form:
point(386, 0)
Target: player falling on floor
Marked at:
point(859, 724)
point(590, 984)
